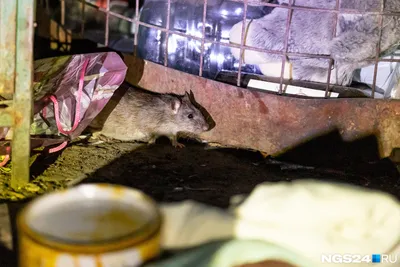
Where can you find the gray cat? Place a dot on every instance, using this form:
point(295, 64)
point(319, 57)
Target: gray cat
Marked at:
point(312, 32)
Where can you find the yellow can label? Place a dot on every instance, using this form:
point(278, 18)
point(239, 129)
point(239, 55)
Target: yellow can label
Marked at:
point(33, 254)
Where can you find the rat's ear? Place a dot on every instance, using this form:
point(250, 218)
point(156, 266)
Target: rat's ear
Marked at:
point(175, 105)
point(186, 97)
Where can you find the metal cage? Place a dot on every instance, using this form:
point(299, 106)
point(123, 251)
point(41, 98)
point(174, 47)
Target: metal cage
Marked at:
point(167, 30)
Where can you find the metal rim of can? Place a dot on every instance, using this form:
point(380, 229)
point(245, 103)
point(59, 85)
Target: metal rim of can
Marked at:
point(136, 238)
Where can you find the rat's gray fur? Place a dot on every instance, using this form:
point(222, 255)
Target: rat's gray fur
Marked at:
point(311, 32)
point(144, 116)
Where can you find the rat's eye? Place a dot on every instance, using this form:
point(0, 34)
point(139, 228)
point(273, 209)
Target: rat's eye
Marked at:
point(190, 116)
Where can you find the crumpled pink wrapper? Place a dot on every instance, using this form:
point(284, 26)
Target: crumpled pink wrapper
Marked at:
point(59, 76)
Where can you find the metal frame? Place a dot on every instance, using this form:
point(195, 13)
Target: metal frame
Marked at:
point(16, 57)
point(244, 47)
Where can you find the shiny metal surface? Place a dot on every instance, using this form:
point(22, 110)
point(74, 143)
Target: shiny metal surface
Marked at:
point(186, 18)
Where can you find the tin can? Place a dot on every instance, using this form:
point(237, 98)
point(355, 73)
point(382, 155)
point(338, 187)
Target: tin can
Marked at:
point(91, 225)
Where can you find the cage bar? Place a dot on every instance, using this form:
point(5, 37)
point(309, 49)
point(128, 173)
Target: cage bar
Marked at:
point(135, 42)
point(284, 57)
point(83, 18)
point(378, 48)
point(242, 45)
point(331, 63)
point(167, 34)
point(107, 24)
point(203, 34)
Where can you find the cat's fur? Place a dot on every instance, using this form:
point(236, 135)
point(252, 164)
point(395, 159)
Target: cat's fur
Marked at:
point(311, 32)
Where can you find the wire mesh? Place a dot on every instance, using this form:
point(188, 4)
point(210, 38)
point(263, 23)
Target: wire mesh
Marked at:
point(291, 6)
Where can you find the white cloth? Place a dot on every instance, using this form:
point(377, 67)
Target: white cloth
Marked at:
point(315, 218)
point(307, 217)
point(189, 223)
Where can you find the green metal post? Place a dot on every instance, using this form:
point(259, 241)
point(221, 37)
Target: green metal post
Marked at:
point(16, 57)
point(23, 94)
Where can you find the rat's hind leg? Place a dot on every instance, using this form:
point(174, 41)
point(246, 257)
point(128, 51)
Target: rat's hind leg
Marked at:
point(98, 138)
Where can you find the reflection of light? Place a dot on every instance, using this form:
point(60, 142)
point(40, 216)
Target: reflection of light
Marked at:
point(88, 192)
point(238, 11)
point(193, 30)
point(193, 45)
point(199, 30)
point(224, 12)
point(133, 28)
point(219, 58)
point(172, 44)
point(198, 33)
point(158, 36)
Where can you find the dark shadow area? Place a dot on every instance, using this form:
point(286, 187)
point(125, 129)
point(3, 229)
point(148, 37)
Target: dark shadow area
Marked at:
point(78, 46)
point(7, 257)
point(212, 176)
point(329, 152)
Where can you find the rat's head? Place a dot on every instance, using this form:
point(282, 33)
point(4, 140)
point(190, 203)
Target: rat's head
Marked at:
point(188, 118)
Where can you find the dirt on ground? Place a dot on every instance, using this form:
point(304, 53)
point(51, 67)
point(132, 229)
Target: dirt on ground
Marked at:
point(199, 172)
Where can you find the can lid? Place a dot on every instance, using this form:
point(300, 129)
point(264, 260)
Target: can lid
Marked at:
point(90, 215)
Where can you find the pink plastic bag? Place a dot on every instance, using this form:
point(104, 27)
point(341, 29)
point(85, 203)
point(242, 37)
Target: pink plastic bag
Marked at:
point(68, 93)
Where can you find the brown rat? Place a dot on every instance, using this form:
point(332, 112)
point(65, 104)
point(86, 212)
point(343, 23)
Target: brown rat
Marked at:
point(139, 115)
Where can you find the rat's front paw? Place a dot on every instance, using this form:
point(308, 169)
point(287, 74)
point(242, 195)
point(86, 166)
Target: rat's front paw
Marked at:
point(178, 145)
point(174, 141)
